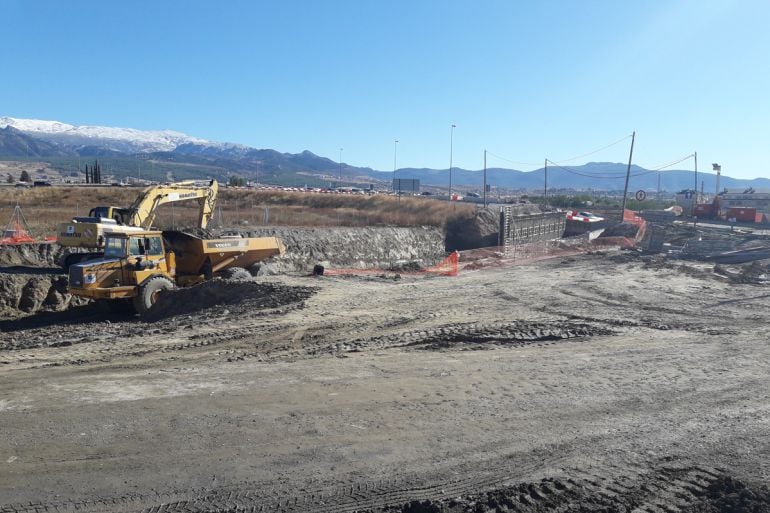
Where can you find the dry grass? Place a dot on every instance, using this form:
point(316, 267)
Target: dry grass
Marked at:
point(44, 207)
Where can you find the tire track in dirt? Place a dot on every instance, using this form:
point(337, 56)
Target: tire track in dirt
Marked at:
point(666, 487)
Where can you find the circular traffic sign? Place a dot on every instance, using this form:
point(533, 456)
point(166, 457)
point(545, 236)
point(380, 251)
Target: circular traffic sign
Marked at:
point(640, 195)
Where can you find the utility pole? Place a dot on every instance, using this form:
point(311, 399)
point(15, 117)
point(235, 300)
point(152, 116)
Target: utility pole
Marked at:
point(695, 189)
point(545, 183)
point(451, 137)
point(485, 178)
point(395, 149)
point(339, 182)
point(658, 195)
point(628, 175)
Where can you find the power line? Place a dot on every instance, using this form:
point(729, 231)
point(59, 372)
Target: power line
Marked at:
point(597, 150)
point(691, 155)
point(510, 161)
point(513, 161)
point(589, 175)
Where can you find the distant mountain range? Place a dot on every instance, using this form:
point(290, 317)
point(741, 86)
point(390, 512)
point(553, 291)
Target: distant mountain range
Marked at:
point(165, 152)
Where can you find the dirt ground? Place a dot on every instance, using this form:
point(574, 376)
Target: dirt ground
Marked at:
point(602, 382)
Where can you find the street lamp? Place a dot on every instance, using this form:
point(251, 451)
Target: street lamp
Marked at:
point(451, 136)
point(395, 149)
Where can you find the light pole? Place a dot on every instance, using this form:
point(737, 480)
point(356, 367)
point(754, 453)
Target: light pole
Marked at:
point(395, 149)
point(339, 184)
point(451, 137)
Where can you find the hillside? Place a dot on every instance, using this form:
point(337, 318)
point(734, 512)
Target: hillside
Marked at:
point(165, 154)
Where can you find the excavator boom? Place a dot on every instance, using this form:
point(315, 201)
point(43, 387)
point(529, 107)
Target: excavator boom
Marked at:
point(142, 211)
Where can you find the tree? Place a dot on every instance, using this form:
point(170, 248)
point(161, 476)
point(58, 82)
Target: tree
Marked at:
point(25, 176)
point(9, 179)
point(236, 181)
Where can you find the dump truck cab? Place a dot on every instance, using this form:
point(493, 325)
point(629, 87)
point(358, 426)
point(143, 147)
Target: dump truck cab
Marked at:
point(129, 263)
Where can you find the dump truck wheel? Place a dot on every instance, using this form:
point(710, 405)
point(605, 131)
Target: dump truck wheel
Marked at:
point(149, 292)
point(236, 273)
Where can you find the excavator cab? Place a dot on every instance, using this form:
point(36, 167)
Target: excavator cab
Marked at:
point(119, 215)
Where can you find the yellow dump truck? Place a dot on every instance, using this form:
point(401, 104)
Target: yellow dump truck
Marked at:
point(137, 267)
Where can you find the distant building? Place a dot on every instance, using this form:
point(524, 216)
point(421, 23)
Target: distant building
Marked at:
point(745, 198)
point(686, 197)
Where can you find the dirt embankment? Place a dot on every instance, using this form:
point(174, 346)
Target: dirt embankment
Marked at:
point(25, 291)
point(360, 248)
point(480, 231)
point(31, 280)
point(32, 255)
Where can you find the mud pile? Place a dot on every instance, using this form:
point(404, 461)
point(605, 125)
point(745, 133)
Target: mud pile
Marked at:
point(753, 273)
point(238, 296)
point(361, 248)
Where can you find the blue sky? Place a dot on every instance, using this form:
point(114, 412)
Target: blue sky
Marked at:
point(527, 80)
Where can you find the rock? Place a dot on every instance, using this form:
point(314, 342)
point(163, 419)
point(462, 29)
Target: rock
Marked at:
point(34, 294)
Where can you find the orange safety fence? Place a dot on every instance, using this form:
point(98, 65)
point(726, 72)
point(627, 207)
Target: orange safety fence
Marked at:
point(16, 234)
point(629, 216)
point(447, 267)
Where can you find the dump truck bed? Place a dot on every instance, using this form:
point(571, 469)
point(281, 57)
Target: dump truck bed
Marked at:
point(192, 252)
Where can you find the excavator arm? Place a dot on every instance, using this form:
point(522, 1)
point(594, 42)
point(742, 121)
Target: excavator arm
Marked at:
point(142, 211)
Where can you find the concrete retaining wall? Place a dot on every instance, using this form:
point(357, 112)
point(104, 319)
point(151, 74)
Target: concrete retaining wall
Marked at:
point(524, 229)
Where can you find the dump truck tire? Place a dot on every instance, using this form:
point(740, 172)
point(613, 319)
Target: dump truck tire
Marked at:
point(149, 292)
point(236, 273)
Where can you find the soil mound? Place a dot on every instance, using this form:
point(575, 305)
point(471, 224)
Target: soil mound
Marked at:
point(244, 295)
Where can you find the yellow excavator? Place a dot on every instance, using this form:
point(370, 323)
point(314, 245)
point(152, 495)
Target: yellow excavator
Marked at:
point(91, 232)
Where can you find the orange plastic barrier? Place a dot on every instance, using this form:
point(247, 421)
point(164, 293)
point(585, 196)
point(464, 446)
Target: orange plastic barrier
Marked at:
point(16, 235)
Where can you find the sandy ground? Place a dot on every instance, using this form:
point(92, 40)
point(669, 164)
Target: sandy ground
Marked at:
point(600, 381)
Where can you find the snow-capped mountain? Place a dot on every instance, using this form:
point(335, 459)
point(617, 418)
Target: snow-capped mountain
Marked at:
point(125, 140)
